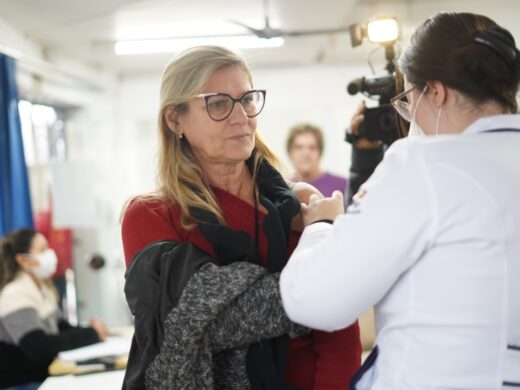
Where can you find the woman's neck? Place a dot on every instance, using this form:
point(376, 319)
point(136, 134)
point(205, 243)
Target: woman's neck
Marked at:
point(36, 281)
point(461, 122)
point(234, 178)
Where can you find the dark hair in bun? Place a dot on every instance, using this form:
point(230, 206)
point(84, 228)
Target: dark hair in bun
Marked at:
point(467, 52)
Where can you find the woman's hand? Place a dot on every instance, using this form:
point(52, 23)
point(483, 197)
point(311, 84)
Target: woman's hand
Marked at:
point(303, 192)
point(322, 208)
point(100, 328)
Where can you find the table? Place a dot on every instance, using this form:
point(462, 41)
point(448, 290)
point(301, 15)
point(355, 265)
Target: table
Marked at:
point(110, 380)
point(98, 380)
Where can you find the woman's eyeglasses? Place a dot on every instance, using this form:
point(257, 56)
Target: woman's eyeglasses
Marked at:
point(220, 105)
point(401, 104)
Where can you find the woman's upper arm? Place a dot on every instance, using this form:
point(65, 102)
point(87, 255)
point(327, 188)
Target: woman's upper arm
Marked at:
point(145, 222)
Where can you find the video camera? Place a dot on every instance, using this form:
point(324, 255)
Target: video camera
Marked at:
point(380, 123)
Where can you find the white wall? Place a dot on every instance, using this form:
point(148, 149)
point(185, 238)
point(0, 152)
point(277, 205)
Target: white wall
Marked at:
point(137, 102)
point(95, 150)
point(315, 94)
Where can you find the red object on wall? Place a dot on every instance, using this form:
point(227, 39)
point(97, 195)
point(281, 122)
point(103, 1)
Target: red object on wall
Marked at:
point(60, 240)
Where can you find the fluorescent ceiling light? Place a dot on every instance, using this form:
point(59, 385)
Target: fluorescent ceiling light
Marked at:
point(172, 45)
point(192, 28)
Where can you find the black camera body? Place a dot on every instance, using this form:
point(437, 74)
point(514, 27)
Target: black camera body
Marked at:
point(380, 123)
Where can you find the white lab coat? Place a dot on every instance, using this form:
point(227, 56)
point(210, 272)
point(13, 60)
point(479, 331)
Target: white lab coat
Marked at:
point(433, 240)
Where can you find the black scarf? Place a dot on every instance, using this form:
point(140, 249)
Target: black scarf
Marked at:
point(266, 361)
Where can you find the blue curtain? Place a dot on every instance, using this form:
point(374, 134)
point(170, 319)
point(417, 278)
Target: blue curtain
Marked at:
point(15, 200)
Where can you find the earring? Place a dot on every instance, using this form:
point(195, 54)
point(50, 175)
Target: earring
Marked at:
point(180, 135)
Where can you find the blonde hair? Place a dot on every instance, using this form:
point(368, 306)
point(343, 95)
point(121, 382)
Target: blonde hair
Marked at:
point(180, 177)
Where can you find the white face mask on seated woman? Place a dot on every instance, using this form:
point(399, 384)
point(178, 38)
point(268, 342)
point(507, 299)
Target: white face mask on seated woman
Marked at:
point(48, 262)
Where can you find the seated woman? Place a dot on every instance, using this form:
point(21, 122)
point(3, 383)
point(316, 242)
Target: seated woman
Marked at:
point(31, 332)
point(204, 253)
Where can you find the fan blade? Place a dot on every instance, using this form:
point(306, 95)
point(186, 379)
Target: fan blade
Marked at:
point(266, 32)
point(252, 30)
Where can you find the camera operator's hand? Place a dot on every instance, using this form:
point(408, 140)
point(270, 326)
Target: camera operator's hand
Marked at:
point(322, 208)
point(354, 129)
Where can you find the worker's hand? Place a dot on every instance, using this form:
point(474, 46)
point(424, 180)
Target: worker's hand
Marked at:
point(100, 328)
point(355, 124)
point(303, 192)
point(323, 208)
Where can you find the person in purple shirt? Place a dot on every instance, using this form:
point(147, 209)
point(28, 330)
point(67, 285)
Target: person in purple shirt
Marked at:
point(305, 147)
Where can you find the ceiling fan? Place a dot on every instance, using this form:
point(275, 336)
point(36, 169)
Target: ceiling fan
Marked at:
point(267, 32)
point(263, 37)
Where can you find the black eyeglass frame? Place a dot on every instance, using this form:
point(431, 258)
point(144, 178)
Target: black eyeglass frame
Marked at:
point(207, 96)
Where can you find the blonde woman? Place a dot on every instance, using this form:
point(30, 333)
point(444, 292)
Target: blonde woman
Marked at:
point(205, 251)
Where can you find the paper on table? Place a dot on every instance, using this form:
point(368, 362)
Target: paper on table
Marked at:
point(106, 380)
point(112, 346)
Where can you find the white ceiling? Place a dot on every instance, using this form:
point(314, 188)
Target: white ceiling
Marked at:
point(87, 30)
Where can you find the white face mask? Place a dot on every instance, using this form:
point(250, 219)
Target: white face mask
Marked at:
point(48, 263)
point(415, 129)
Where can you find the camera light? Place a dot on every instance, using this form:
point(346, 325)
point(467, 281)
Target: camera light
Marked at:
point(384, 30)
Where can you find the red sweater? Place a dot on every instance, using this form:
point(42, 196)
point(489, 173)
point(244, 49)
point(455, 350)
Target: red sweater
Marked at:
point(320, 360)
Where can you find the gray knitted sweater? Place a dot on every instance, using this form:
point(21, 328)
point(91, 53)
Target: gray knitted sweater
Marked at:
point(221, 311)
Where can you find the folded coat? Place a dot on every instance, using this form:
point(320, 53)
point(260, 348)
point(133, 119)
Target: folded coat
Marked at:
point(195, 320)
